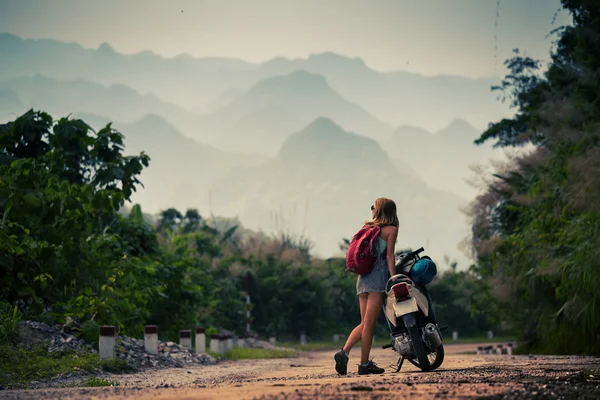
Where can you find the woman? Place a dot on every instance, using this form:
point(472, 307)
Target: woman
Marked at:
point(371, 288)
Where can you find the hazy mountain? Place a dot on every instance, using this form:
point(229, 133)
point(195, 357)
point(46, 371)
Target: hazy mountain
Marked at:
point(118, 102)
point(180, 169)
point(10, 105)
point(261, 119)
point(185, 80)
point(412, 138)
point(223, 100)
point(344, 151)
point(322, 183)
point(441, 159)
point(401, 97)
point(396, 97)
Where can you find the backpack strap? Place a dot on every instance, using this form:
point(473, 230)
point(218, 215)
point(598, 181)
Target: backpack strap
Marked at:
point(374, 239)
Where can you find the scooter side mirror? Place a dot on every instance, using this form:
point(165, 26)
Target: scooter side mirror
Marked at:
point(398, 259)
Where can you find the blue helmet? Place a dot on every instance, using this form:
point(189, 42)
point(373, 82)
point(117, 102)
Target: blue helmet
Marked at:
point(423, 271)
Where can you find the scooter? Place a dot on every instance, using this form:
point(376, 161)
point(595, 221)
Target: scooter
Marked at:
point(414, 330)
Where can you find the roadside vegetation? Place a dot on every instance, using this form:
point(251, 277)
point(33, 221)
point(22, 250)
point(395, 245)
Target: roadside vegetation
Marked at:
point(536, 227)
point(20, 366)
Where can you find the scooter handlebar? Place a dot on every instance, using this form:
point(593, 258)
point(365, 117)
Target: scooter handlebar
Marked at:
point(409, 256)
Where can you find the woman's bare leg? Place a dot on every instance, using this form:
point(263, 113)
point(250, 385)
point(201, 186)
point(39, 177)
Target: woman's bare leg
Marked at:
point(357, 332)
point(374, 303)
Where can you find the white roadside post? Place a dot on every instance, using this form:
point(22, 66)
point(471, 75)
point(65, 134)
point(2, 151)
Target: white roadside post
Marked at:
point(151, 339)
point(248, 315)
point(455, 335)
point(303, 338)
point(200, 340)
point(509, 350)
point(185, 338)
point(241, 341)
point(215, 346)
point(107, 342)
point(222, 344)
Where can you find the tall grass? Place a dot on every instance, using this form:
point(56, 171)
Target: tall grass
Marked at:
point(9, 321)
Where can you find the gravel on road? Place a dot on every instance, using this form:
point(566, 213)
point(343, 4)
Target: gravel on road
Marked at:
point(463, 375)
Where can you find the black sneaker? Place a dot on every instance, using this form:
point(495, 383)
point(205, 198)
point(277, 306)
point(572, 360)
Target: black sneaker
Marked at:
point(341, 362)
point(370, 368)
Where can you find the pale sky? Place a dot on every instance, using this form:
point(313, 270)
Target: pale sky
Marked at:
point(425, 36)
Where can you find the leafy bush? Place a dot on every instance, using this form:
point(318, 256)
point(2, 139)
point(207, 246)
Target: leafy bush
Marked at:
point(90, 332)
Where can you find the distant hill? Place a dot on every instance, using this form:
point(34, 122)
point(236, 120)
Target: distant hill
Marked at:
point(441, 159)
point(184, 80)
point(180, 170)
point(262, 118)
point(223, 100)
point(322, 183)
point(118, 102)
point(401, 97)
point(324, 140)
point(10, 105)
point(396, 97)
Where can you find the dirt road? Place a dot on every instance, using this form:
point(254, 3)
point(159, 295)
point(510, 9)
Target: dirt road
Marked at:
point(312, 376)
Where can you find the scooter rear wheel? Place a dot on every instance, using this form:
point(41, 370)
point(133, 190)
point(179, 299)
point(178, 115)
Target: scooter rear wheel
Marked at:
point(439, 358)
point(422, 361)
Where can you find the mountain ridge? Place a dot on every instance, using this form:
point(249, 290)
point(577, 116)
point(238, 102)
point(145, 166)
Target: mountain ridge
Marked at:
point(106, 47)
point(117, 100)
point(443, 159)
point(194, 83)
point(300, 95)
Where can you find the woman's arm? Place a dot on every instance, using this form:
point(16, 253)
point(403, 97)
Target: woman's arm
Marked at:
point(391, 244)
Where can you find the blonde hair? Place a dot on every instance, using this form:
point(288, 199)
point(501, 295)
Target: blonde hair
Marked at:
point(385, 213)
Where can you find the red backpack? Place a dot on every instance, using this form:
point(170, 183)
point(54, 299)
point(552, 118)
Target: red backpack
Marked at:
point(361, 255)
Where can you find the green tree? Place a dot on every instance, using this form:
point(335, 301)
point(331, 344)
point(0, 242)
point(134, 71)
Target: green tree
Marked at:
point(536, 228)
point(61, 185)
point(455, 301)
